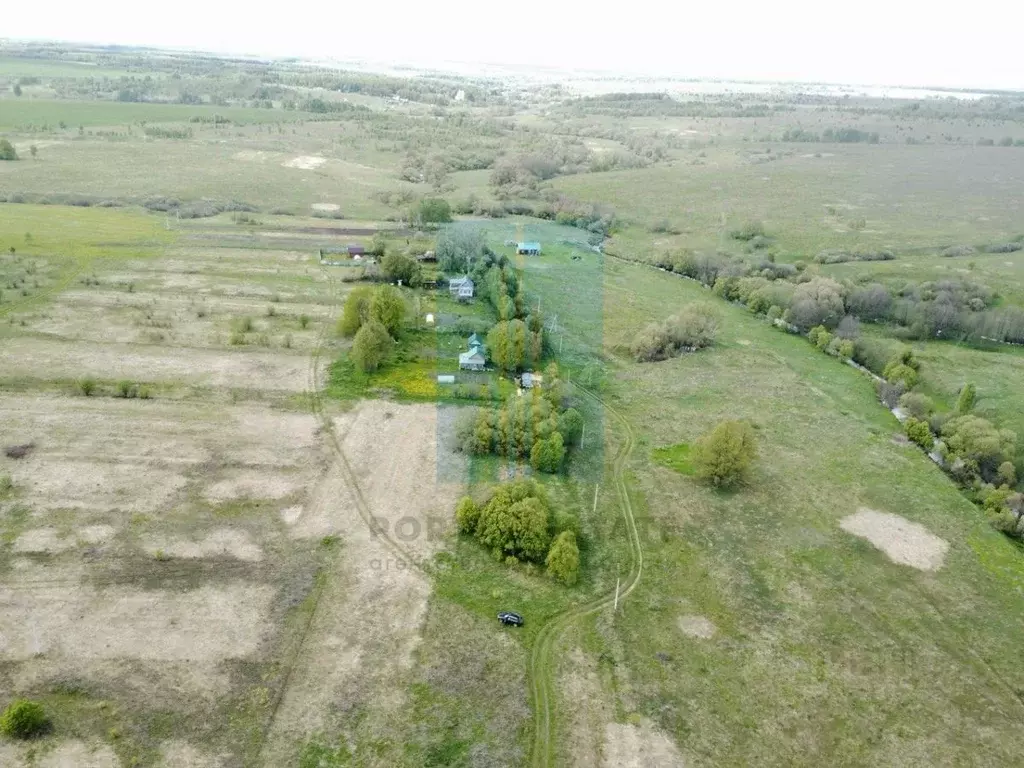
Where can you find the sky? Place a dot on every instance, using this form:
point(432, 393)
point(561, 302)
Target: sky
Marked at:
point(883, 42)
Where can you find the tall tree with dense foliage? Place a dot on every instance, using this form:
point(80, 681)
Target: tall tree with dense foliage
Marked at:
point(547, 454)
point(433, 210)
point(7, 151)
point(515, 522)
point(401, 267)
point(965, 402)
point(388, 308)
point(506, 342)
point(356, 310)
point(458, 247)
point(370, 346)
point(723, 455)
point(563, 560)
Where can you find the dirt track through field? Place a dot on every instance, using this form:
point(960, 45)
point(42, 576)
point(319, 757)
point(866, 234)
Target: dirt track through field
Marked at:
point(542, 664)
point(370, 600)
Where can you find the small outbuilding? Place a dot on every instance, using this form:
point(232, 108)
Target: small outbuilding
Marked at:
point(528, 248)
point(445, 378)
point(355, 250)
point(530, 380)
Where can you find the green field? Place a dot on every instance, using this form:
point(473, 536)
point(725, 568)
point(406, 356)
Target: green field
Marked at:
point(25, 115)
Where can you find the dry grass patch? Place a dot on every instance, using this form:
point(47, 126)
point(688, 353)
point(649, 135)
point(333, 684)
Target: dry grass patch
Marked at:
point(208, 624)
point(253, 484)
point(42, 541)
point(902, 541)
point(639, 746)
point(223, 542)
point(248, 369)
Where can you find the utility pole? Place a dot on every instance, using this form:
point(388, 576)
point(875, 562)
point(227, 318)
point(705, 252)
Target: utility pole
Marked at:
point(616, 607)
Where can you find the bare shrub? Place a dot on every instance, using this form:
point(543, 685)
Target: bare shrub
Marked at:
point(694, 328)
point(19, 451)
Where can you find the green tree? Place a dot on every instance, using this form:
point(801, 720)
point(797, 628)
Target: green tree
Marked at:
point(33, 150)
point(457, 248)
point(379, 245)
point(1007, 474)
point(968, 394)
point(356, 310)
point(467, 515)
point(897, 372)
point(7, 151)
point(563, 560)
point(977, 443)
point(507, 344)
point(917, 405)
point(723, 455)
point(388, 308)
point(515, 522)
point(570, 424)
point(433, 210)
point(17, 90)
point(548, 453)
point(919, 432)
point(399, 266)
point(24, 719)
point(370, 346)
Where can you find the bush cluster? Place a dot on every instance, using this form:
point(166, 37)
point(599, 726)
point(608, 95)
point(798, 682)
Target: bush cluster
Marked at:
point(696, 327)
point(517, 524)
point(24, 719)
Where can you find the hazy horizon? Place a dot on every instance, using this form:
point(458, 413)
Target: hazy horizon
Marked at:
point(875, 43)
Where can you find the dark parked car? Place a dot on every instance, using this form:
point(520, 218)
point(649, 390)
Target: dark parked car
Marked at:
point(510, 619)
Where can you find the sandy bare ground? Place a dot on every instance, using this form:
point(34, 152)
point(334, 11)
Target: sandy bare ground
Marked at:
point(181, 754)
point(639, 746)
point(359, 650)
point(208, 624)
point(902, 541)
point(243, 369)
point(588, 709)
point(697, 626)
point(66, 754)
point(305, 162)
point(325, 207)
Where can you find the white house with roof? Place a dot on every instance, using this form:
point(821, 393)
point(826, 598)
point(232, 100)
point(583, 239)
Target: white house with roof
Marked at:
point(475, 358)
point(461, 287)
